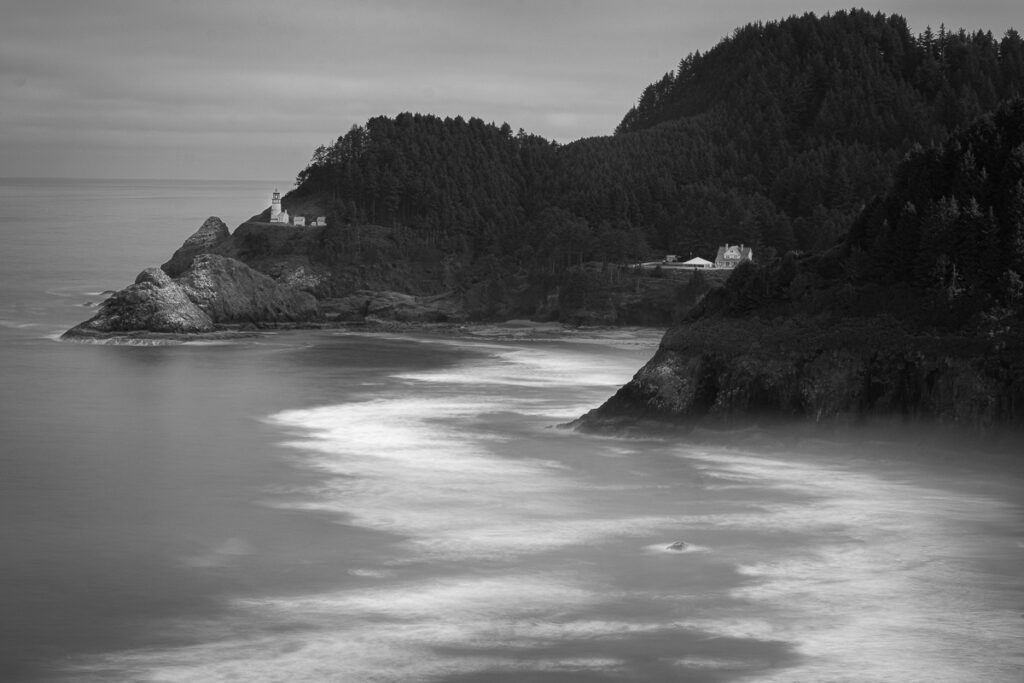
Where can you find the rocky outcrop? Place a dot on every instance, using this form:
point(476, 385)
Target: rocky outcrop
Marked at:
point(734, 372)
point(396, 306)
point(154, 302)
point(211, 234)
point(231, 292)
point(215, 290)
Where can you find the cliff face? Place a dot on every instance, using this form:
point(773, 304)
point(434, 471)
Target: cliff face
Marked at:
point(231, 292)
point(734, 371)
point(214, 290)
point(154, 302)
point(273, 273)
point(210, 234)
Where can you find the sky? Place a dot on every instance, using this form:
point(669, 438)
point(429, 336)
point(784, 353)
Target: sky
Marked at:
point(247, 89)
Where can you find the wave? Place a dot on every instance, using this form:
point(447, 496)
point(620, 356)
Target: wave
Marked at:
point(17, 324)
point(417, 468)
point(394, 633)
point(118, 340)
point(76, 292)
point(532, 552)
point(531, 368)
point(888, 590)
point(157, 339)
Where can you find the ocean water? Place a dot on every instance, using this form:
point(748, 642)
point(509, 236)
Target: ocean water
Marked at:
point(331, 506)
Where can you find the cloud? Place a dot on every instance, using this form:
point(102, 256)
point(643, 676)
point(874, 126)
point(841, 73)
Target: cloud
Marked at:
point(250, 76)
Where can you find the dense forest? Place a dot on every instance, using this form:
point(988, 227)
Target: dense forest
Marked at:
point(917, 314)
point(943, 250)
point(777, 138)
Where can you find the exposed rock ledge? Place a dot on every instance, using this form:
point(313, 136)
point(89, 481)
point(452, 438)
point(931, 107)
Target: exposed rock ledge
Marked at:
point(214, 290)
point(738, 372)
point(210, 234)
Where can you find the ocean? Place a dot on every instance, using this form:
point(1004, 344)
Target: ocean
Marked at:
point(341, 506)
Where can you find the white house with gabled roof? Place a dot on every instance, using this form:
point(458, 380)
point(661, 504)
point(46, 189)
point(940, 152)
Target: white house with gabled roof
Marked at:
point(731, 256)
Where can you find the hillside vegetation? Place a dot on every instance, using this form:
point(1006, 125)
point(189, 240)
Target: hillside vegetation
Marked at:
point(774, 138)
point(943, 249)
point(777, 138)
point(918, 313)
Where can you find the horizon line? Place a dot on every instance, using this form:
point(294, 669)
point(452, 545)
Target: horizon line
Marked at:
point(130, 180)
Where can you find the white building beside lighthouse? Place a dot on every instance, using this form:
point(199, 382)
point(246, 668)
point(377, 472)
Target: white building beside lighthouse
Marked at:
point(277, 214)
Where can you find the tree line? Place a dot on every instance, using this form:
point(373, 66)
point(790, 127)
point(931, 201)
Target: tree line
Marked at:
point(777, 138)
point(943, 249)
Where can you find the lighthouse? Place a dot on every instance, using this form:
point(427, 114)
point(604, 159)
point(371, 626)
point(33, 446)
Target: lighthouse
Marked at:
point(276, 214)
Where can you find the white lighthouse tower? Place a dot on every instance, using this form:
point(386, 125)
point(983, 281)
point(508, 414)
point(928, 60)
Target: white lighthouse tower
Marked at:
point(276, 214)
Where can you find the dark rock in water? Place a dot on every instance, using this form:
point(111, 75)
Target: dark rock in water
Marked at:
point(214, 290)
point(210, 234)
point(155, 303)
point(396, 306)
point(231, 292)
point(678, 546)
point(733, 372)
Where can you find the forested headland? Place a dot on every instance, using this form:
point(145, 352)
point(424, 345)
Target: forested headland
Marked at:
point(785, 137)
point(917, 313)
point(775, 138)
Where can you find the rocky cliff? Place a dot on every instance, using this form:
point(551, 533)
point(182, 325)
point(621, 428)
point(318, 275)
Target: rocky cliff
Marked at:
point(724, 372)
point(231, 292)
point(212, 233)
point(211, 292)
point(154, 302)
point(272, 273)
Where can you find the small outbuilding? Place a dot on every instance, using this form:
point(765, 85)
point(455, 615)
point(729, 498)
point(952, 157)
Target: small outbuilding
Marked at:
point(698, 262)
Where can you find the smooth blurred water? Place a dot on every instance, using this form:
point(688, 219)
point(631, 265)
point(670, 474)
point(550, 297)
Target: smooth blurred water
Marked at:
point(330, 506)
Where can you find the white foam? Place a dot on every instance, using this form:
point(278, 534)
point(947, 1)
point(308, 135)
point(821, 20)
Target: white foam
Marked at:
point(888, 592)
point(858, 573)
point(116, 341)
point(712, 664)
point(726, 626)
point(386, 634)
point(417, 467)
point(16, 325)
point(407, 466)
point(372, 573)
point(210, 342)
point(531, 367)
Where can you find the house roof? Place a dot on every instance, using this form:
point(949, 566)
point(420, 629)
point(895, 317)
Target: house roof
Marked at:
point(744, 252)
point(698, 261)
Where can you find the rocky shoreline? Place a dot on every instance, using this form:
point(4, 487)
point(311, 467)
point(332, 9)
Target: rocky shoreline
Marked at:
point(517, 330)
point(710, 375)
point(729, 372)
point(213, 291)
point(266, 275)
point(788, 363)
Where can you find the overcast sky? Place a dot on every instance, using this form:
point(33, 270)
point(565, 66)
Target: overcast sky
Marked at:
point(246, 89)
